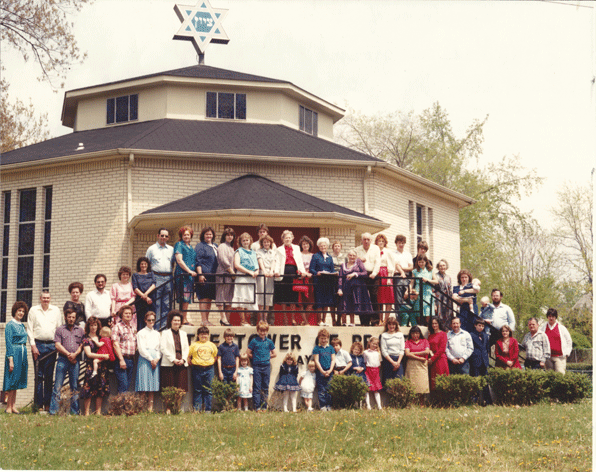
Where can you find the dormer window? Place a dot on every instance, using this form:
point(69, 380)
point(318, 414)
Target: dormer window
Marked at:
point(231, 106)
point(122, 109)
point(309, 121)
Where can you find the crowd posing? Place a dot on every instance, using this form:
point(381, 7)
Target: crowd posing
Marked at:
point(117, 330)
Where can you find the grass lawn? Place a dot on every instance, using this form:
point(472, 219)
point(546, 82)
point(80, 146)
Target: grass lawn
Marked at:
point(542, 437)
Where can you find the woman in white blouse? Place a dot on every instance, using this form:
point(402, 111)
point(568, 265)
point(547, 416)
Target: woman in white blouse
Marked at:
point(147, 380)
point(393, 346)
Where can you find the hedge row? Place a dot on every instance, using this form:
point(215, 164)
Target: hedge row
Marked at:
point(509, 387)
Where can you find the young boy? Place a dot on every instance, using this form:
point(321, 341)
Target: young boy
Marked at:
point(343, 360)
point(406, 312)
point(324, 356)
point(202, 355)
point(261, 350)
point(228, 358)
point(486, 313)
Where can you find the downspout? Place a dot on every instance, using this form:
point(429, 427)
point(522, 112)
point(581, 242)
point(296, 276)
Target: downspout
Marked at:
point(131, 161)
point(365, 188)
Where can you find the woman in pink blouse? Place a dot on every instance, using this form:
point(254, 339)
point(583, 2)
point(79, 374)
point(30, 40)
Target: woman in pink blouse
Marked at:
point(122, 294)
point(417, 351)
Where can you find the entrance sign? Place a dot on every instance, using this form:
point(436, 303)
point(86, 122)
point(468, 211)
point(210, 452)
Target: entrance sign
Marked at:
point(201, 24)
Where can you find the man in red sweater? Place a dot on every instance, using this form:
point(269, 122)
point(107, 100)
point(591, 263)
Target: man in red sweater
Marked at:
point(560, 342)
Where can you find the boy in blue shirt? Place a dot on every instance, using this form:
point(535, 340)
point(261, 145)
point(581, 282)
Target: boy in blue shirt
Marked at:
point(228, 358)
point(261, 350)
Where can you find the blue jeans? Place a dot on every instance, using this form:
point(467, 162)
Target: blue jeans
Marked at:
point(45, 374)
point(322, 392)
point(228, 373)
point(63, 367)
point(455, 369)
point(201, 387)
point(260, 386)
point(161, 299)
point(124, 376)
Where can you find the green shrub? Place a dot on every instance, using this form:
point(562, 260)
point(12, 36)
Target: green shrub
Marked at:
point(127, 403)
point(224, 395)
point(401, 392)
point(579, 366)
point(579, 340)
point(456, 390)
point(567, 388)
point(172, 399)
point(347, 391)
point(517, 387)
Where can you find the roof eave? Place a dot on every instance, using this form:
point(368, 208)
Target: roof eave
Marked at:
point(152, 221)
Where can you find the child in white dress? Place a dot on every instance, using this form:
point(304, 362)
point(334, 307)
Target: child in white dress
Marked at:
point(244, 380)
point(307, 383)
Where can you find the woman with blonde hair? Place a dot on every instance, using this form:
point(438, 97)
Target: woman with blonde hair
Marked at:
point(289, 265)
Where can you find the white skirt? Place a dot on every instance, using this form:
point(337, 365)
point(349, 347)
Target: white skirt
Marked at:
point(244, 293)
point(265, 291)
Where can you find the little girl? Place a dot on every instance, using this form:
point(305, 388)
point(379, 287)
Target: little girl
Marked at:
point(307, 383)
point(105, 347)
point(372, 358)
point(247, 268)
point(244, 380)
point(288, 381)
point(324, 357)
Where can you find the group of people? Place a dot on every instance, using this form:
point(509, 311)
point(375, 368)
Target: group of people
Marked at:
point(370, 281)
point(162, 359)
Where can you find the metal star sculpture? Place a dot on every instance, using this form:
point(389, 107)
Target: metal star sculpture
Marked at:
point(201, 24)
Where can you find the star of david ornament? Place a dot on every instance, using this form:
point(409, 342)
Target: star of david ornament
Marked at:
point(201, 24)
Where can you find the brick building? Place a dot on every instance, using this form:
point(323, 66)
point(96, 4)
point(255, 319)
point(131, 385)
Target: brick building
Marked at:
point(164, 149)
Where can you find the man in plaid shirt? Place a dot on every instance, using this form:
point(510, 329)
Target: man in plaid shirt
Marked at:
point(124, 338)
point(536, 346)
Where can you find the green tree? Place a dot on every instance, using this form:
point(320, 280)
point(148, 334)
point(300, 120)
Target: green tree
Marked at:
point(427, 145)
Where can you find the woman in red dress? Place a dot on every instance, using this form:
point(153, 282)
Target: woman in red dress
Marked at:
point(437, 339)
point(507, 350)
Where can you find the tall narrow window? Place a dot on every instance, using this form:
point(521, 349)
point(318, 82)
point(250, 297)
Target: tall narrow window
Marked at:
point(308, 121)
point(231, 106)
point(419, 224)
point(47, 237)
point(6, 201)
point(26, 245)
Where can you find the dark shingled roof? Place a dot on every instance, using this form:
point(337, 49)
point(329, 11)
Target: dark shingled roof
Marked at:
point(255, 193)
point(217, 137)
point(199, 71)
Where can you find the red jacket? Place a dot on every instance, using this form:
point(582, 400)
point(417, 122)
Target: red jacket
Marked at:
point(512, 355)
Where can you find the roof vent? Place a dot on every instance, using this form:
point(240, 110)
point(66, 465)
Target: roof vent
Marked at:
point(81, 147)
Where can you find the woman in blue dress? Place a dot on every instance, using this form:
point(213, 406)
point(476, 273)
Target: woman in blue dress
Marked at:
point(143, 285)
point(423, 281)
point(465, 295)
point(206, 267)
point(325, 279)
point(185, 270)
point(15, 365)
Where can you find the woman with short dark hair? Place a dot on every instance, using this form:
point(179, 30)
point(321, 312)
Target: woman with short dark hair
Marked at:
point(122, 294)
point(15, 364)
point(76, 290)
point(143, 284)
point(417, 351)
point(174, 346)
point(185, 270)
point(206, 267)
point(224, 288)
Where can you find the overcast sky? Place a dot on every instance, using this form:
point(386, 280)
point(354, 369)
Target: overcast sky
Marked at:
point(528, 65)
